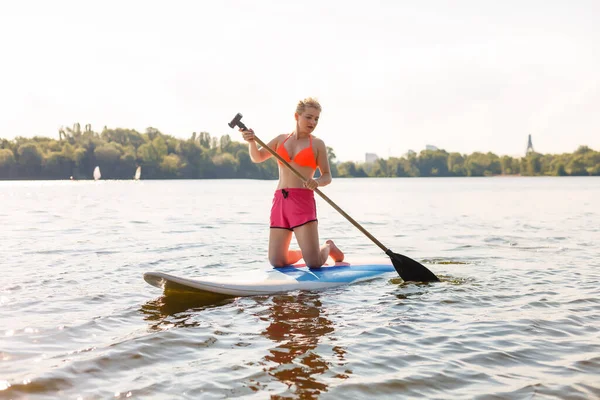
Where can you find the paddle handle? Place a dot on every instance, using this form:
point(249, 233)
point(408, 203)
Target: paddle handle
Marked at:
point(323, 196)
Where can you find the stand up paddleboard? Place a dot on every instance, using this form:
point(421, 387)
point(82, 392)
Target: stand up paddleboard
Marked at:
point(271, 281)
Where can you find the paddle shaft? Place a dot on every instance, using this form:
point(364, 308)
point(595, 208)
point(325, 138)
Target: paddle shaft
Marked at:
point(323, 196)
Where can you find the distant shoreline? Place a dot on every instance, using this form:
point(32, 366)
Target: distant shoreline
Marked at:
point(120, 153)
point(275, 179)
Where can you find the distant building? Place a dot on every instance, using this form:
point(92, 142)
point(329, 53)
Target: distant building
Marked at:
point(529, 146)
point(430, 147)
point(370, 158)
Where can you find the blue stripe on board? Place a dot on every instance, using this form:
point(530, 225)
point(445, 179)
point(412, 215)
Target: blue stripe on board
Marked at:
point(342, 273)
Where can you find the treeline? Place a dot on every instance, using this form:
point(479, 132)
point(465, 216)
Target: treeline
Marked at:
point(583, 162)
point(118, 152)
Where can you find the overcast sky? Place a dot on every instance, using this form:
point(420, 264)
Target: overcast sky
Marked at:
point(391, 75)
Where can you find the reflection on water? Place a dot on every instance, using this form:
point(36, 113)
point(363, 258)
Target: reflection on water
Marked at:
point(296, 324)
point(177, 310)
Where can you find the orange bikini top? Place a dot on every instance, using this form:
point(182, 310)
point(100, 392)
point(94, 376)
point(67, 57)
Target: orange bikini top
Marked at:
point(304, 158)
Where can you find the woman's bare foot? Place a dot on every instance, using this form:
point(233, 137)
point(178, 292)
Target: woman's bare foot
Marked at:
point(335, 252)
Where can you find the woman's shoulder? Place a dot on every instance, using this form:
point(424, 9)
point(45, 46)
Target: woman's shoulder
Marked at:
point(279, 138)
point(318, 141)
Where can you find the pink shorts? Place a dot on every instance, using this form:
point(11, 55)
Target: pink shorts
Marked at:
point(293, 207)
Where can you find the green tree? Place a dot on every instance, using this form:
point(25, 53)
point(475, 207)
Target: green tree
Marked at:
point(30, 160)
point(433, 163)
point(396, 167)
point(57, 165)
point(148, 158)
point(332, 158)
point(148, 155)
point(410, 165)
point(8, 164)
point(508, 165)
point(480, 164)
point(581, 150)
point(225, 144)
point(123, 137)
point(594, 171)
point(531, 165)
point(196, 163)
point(204, 140)
point(456, 164)
point(226, 165)
point(127, 165)
point(160, 145)
point(576, 166)
point(171, 165)
point(591, 159)
point(152, 133)
point(107, 158)
point(247, 169)
point(347, 169)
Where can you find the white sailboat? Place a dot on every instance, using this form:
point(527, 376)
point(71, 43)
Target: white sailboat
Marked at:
point(97, 173)
point(138, 173)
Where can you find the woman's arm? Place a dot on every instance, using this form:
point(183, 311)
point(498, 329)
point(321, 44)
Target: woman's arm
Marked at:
point(322, 163)
point(258, 155)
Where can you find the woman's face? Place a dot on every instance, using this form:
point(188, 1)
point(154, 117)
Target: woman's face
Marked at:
point(308, 120)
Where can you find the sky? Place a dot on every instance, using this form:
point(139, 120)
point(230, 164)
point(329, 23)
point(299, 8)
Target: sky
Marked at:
point(391, 75)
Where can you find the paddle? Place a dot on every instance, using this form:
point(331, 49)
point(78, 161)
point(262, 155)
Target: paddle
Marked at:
point(407, 268)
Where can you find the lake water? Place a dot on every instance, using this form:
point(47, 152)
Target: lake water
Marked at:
point(517, 314)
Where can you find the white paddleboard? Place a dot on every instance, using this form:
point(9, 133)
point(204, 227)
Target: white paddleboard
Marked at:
point(275, 280)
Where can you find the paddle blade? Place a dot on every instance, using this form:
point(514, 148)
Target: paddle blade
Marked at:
point(411, 270)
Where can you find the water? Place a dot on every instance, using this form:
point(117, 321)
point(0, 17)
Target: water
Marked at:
point(517, 314)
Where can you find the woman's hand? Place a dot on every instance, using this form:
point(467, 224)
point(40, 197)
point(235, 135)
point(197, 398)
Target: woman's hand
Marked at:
point(311, 184)
point(248, 135)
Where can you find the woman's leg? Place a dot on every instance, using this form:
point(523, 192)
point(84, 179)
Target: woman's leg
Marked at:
point(314, 255)
point(279, 244)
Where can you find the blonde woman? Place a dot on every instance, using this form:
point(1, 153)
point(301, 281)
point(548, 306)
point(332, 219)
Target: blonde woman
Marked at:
point(294, 208)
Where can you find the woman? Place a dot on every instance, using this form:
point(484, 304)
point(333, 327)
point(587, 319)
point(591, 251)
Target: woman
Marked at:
point(294, 208)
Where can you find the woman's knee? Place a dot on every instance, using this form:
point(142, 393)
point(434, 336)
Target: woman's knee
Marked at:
point(277, 261)
point(313, 260)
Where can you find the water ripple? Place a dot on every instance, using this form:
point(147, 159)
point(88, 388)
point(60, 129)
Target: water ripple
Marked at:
point(516, 314)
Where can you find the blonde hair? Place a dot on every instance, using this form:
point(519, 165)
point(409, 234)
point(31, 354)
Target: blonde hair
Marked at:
point(307, 103)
